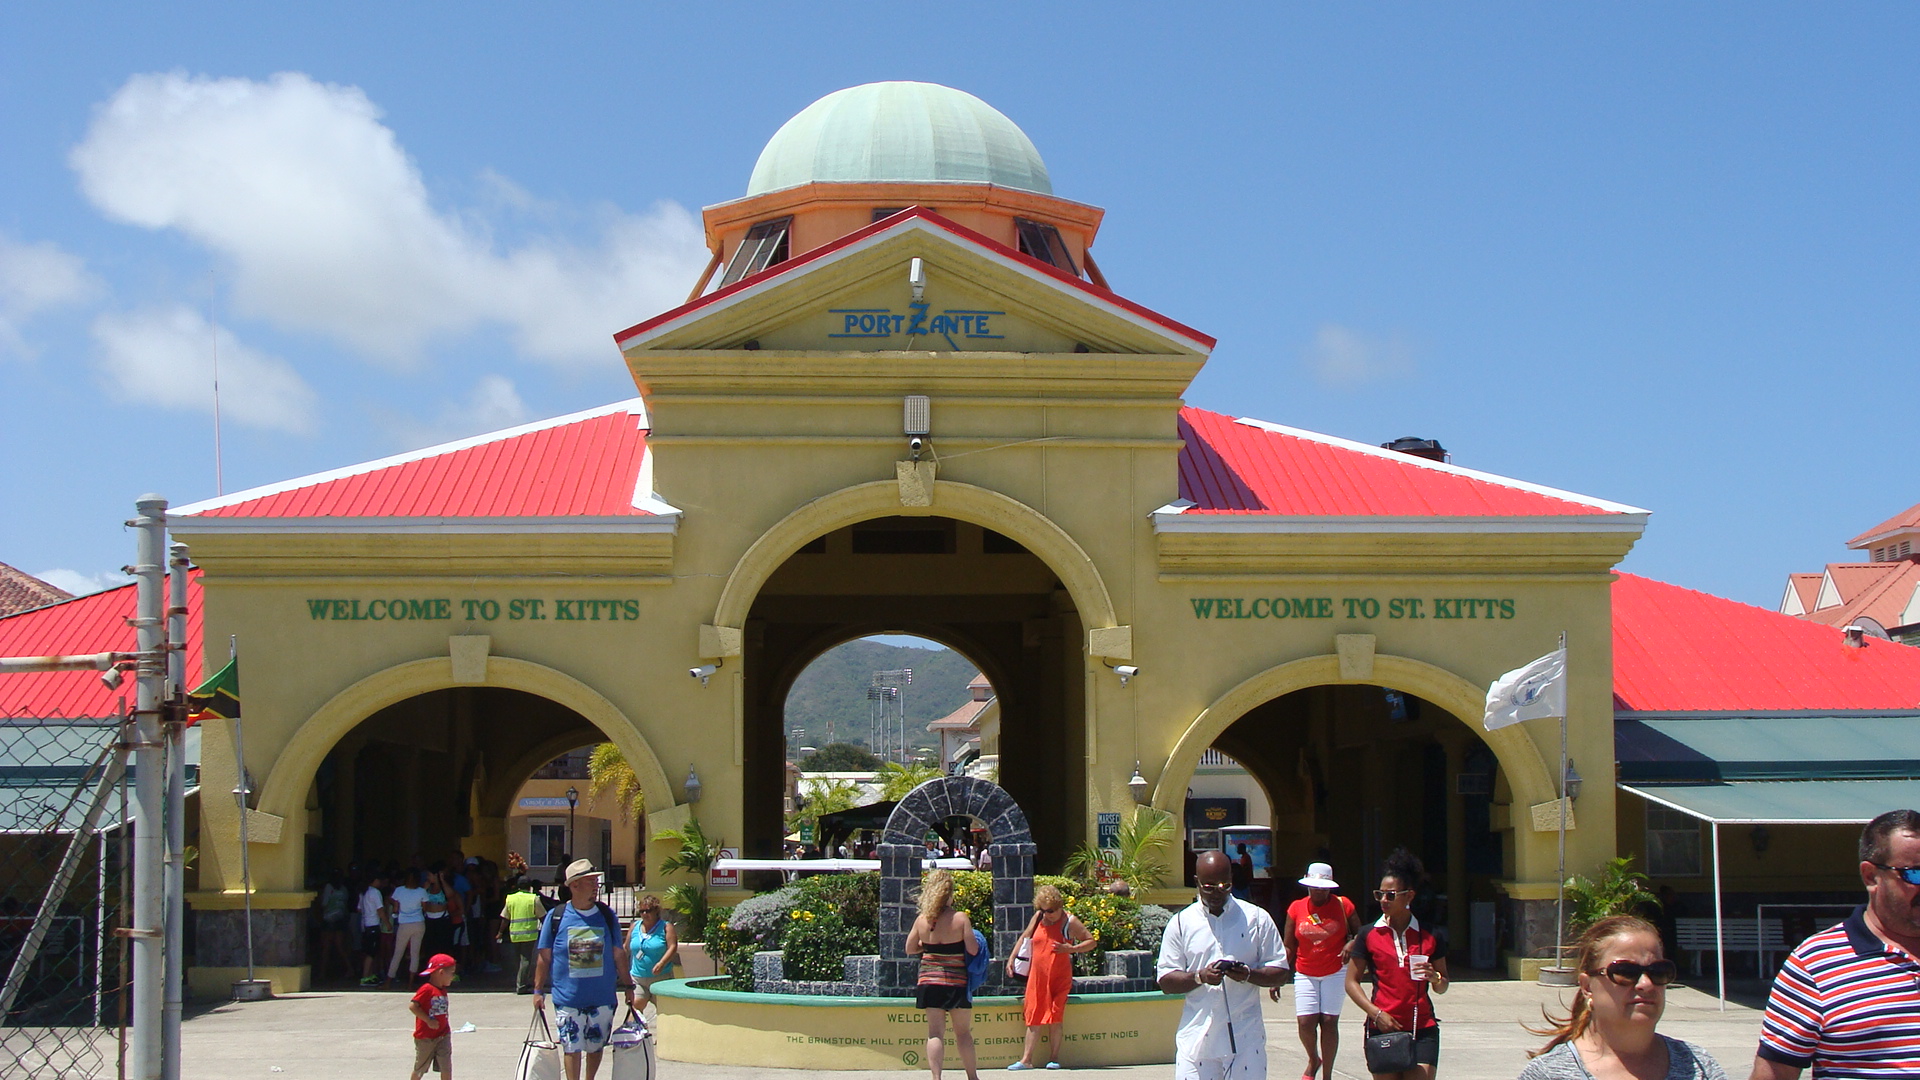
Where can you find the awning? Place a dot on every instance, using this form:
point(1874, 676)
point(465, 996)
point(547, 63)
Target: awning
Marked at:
point(1784, 802)
point(1704, 749)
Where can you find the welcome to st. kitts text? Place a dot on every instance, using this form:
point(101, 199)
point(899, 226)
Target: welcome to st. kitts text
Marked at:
point(442, 609)
point(1359, 607)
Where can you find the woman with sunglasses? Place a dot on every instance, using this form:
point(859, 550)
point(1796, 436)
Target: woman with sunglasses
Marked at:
point(1057, 937)
point(1404, 960)
point(654, 945)
point(1609, 1033)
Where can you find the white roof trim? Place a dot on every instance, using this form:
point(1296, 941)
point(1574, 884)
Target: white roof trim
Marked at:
point(913, 224)
point(390, 526)
point(1396, 456)
point(1383, 523)
point(632, 405)
point(1791, 604)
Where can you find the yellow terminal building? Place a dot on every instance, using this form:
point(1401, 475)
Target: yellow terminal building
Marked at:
point(905, 399)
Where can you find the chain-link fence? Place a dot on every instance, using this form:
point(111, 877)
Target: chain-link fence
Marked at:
point(63, 879)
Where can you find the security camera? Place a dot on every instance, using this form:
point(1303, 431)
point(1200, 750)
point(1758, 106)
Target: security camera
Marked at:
point(915, 445)
point(1126, 673)
point(111, 677)
point(703, 672)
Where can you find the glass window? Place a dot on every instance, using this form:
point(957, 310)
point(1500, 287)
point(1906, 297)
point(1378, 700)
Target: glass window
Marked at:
point(1673, 843)
point(1042, 241)
point(765, 245)
point(546, 843)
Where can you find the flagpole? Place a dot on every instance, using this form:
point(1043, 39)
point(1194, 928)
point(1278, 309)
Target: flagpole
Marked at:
point(1560, 882)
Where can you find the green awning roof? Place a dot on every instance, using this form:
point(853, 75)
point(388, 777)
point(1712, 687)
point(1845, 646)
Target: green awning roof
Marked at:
point(1784, 802)
point(1705, 749)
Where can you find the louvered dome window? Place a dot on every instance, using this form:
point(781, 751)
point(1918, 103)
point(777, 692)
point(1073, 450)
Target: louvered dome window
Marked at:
point(1042, 241)
point(765, 245)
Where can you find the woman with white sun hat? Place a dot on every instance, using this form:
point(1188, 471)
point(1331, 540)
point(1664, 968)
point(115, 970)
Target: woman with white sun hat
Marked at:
point(1319, 931)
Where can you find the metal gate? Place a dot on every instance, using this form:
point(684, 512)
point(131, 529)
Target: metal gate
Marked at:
point(64, 852)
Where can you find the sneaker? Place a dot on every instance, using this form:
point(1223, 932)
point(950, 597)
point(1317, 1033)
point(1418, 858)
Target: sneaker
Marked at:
point(370, 980)
point(1053, 1064)
point(1018, 1066)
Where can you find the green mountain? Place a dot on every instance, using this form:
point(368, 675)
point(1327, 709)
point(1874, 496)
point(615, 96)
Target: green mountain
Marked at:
point(834, 689)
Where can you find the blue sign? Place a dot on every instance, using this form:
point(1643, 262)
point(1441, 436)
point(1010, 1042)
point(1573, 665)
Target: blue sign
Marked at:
point(970, 324)
point(1108, 825)
point(543, 804)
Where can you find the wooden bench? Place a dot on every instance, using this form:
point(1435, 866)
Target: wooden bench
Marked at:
point(1738, 935)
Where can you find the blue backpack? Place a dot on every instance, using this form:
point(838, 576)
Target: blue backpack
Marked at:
point(978, 964)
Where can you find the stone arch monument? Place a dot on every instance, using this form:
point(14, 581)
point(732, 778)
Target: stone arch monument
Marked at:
point(1010, 845)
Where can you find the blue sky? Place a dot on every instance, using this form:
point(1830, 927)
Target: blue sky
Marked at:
point(1659, 254)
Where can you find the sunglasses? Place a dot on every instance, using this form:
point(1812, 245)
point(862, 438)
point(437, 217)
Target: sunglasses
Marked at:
point(1908, 874)
point(1628, 973)
point(1388, 894)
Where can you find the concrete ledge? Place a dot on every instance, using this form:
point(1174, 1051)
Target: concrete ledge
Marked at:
point(777, 1031)
point(216, 983)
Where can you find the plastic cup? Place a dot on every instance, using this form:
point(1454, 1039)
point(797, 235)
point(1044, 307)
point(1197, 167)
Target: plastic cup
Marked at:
point(1417, 966)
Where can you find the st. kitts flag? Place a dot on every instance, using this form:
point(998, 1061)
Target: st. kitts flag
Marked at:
point(218, 696)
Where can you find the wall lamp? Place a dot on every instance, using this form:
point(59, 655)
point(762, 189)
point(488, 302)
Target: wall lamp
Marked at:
point(704, 672)
point(1573, 780)
point(692, 785)
point(1137, 785)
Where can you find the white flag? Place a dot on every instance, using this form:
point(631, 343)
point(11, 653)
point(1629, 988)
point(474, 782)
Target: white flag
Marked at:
point(1529, 693)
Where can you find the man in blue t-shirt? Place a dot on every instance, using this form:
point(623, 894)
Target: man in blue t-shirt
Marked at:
point(583, 960)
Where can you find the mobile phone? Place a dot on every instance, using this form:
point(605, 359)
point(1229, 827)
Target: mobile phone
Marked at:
point(1227, 966)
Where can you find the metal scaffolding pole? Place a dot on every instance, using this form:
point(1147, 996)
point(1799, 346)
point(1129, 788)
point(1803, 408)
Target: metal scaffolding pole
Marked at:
point(148, 933)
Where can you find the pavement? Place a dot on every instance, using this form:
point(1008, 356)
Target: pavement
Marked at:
point(352, 1033)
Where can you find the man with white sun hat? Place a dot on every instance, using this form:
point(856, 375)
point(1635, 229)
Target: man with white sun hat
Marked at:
point(583, 962)
point(1319, 932)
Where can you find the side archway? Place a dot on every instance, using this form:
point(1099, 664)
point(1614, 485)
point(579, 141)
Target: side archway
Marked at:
point(1527, 772)
point(284, 792)
point(881, 498)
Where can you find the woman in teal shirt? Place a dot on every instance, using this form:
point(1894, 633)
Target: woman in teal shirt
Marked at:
point(654, 945)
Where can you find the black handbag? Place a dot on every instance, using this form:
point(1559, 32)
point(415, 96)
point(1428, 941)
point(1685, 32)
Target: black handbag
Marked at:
point(1392, 1051)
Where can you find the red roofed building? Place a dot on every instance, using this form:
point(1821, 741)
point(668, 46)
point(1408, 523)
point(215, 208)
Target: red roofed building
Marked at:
point(20, 591)
point(1882, 595)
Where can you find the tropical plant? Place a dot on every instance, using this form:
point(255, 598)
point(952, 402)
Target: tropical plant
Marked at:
point(1112, 920)
point(840, 757)
point(896, 781)
point(1143, 858)
point(607, 770)
point(696, 855)
point(823, 796)
point(1621, 890)
point(818, 942)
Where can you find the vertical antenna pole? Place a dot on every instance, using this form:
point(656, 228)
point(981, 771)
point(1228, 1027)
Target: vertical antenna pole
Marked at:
point(219, 474)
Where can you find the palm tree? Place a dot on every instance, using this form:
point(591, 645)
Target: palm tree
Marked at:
point(824, 797)
point(897, 780)
point(696, 855)
point(1142, 859)
point(607, 770)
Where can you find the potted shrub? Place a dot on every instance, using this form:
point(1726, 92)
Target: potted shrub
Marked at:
point(696, 856)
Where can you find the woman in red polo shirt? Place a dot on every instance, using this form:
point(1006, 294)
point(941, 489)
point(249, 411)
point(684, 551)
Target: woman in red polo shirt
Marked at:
point(1405, 962)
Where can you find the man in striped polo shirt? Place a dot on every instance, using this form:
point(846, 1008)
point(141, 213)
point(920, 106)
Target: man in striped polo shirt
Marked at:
point(1847, 1002)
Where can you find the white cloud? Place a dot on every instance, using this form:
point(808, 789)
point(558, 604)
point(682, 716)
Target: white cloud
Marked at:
point(1343, 358)
point(80, 584)
point(494, 404)
point(34, 278)
point(327, 225)
point(165, 356)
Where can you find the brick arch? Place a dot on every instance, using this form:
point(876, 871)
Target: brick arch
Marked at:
point(1009, 844)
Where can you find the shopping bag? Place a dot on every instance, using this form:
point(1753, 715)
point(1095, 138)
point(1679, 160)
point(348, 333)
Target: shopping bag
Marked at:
point(540, 1054)
point(631, 1048)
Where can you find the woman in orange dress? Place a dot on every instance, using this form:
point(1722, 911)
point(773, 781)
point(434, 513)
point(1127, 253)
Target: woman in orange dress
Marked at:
point(1056, 936)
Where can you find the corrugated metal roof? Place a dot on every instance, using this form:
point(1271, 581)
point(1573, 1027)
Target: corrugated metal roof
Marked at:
point(1905, 519)
point(1677, 650)
point(587, 464)
point(90, 624)
point(1240, 466)
point(1880, 591)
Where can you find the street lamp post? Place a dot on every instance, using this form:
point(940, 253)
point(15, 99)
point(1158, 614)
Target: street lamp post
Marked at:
point(573, 800)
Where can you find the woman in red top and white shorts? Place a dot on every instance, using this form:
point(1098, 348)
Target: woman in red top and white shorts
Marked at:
point(1405, 962)
point(1319, 932)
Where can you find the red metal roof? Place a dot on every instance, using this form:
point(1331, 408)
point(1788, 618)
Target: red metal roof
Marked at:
point(90, 624)
point(1905, 519)
point(1238, 466)
point(588, 464)
point(899, 221)
point(1677, 650)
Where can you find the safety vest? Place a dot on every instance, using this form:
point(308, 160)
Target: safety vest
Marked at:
point(523, 917)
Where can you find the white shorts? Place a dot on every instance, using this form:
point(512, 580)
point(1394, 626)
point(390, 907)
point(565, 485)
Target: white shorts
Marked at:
point(1319, 995)
point(582, 1031)
point(1248, 1064)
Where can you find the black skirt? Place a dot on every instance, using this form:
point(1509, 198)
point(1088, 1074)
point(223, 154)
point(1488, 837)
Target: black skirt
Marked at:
point(933, 996)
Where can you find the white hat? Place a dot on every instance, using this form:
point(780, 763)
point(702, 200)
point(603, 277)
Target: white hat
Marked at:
point(580, 868)
point(1319, 876)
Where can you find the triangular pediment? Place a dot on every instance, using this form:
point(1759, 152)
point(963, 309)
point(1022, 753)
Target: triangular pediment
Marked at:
point(855, 295)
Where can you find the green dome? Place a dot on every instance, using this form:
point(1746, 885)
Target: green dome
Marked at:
point(910, 131)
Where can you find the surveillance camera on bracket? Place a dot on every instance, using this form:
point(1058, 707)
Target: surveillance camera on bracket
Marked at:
point(1126, 673)
point(704, 672)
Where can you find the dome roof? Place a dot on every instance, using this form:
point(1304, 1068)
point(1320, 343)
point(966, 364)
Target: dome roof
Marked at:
point(907, 131)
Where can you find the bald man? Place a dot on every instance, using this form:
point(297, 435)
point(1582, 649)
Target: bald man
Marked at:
point(1218, 952)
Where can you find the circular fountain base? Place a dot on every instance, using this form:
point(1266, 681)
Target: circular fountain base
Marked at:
point(790, 1031)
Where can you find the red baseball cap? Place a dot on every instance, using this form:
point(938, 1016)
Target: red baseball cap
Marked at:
point(440, 961)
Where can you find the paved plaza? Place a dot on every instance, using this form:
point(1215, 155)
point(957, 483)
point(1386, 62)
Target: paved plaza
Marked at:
point(362, 1034)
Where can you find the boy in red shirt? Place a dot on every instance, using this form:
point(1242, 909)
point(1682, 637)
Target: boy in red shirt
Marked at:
point(432, 1031)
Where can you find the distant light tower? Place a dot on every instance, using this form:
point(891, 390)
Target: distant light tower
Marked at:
point(896, 681)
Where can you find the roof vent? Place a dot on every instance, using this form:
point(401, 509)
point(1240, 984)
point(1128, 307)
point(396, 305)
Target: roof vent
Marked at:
point(1417, 447)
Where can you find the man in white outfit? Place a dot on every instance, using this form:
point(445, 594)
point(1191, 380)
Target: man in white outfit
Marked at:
point(1219, 951)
